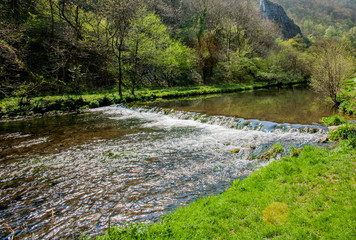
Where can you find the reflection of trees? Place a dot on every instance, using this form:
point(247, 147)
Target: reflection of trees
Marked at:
point(283, 105)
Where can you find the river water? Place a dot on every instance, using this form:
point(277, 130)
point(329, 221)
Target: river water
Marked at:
point(65, 175)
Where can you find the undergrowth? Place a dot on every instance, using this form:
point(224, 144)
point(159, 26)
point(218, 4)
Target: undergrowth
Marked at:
point(334, 120)
point(348, 97)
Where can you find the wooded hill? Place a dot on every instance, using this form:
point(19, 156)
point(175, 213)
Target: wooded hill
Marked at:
point(62, 46)
point(323, 18)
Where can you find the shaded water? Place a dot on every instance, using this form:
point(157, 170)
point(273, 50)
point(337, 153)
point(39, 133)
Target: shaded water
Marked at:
point(69, 174)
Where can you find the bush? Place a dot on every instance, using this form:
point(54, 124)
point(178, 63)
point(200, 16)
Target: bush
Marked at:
point(347, 132)
point(333, 120)
point(278, 77)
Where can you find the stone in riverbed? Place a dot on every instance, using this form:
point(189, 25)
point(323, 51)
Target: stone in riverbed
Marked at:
point(333, 128)
point(323, 140)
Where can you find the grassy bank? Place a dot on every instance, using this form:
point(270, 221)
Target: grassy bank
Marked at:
point(310, 196)
point(17, 107)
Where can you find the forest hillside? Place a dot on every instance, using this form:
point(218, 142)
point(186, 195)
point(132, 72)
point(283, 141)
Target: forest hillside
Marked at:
point(72, 46)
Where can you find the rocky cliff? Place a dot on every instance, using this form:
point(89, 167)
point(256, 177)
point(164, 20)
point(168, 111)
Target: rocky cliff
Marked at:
point(276, 13)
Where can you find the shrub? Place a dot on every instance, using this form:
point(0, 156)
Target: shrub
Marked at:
point(333, 120)
point(347, 132)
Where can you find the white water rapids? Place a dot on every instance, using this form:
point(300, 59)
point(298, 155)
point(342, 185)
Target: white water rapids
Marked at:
point(163, 160)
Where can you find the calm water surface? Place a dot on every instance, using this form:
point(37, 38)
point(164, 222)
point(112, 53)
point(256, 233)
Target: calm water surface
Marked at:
point(291, 105)
point(61, 176)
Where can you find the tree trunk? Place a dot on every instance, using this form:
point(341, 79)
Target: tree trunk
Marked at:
point(133, 80)
point(52, 18)
point(120, 66)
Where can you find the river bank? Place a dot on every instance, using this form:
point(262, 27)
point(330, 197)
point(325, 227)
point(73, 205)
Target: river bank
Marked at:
point(310, 196)
point(37, 106)
point(149, 160)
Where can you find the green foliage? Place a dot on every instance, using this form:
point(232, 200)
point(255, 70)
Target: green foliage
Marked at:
point(334, 120)
point(294, 152)
point(272, 152)
point(334, 63)
point(136, 230)
point(348, 97)
point(52, 48)
point(150, 47)
point(346, 132)
point(321, 17)
point(13, 107)
point(291, 58)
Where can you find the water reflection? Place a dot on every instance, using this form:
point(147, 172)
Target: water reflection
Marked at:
point(291, 105)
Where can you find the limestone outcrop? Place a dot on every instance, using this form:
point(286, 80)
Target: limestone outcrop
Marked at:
point(276, 13)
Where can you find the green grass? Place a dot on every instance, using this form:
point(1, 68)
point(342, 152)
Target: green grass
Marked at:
point(334, 120)
point(311, 196)
point(348, 97)
point(16, 107)
point(345, 132)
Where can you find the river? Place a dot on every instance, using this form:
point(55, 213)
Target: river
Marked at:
point(64, 175)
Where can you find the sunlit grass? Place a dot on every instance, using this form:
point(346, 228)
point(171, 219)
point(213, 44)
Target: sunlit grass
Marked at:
point(307, 197)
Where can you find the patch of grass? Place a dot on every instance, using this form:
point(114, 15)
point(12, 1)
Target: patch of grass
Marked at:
point(272, 152)
point(294, 152)
point(346, 132)
point(307, 197)
point(276, 213)
point(335, 120)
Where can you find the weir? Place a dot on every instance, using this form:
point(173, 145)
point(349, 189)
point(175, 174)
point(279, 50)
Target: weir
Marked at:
point(234, 122)
point(159, 160)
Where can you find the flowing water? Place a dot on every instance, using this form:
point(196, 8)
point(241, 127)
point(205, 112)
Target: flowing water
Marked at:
point(61, 176)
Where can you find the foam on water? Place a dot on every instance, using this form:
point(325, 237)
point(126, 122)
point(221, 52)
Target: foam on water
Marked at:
point(169, 160)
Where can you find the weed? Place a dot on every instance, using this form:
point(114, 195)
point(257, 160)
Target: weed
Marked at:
point(272, 152)
point(294, 152)
point(346, 132)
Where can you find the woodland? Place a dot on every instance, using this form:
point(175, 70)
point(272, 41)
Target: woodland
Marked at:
point(72, 46)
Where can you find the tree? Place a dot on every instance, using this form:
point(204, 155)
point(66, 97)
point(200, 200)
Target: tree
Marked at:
point(152, 56)
point(333, 64)
point(118, 16)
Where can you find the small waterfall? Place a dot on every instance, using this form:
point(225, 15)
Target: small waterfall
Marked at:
point(233, 122)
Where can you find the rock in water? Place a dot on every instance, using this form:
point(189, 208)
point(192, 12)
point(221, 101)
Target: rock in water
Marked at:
point(323, 140)
point(276, 13)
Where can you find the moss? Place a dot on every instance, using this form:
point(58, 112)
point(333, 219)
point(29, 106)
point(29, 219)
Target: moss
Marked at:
point(237, 150)
point(276, 213)
point(272, 152)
